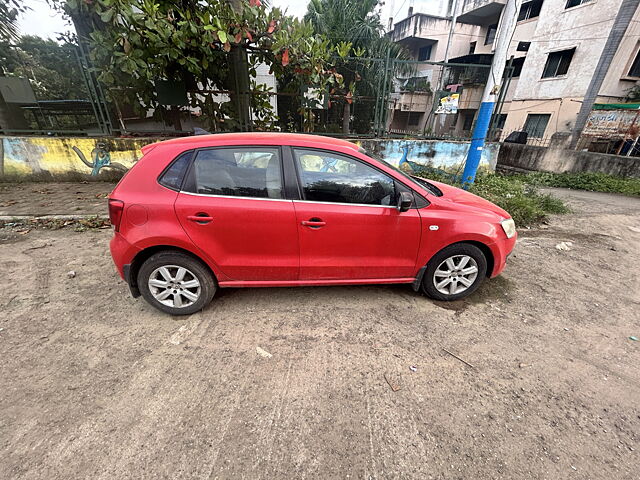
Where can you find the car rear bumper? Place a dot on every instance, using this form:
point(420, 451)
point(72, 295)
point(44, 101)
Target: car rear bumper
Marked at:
point(123, 254)
point(501, 250)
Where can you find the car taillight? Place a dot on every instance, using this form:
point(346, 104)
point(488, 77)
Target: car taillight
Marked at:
point(115, 212)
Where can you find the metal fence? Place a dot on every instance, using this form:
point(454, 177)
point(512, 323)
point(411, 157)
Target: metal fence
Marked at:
point(392, 98)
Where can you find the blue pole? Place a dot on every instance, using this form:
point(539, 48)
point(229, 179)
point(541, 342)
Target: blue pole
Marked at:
point(477, 143)
point(506, 28)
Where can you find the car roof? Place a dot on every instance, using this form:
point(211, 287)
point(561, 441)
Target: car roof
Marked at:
point(264, 138)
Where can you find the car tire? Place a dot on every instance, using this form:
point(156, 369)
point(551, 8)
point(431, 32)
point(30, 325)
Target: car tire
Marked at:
point(176, 283)
point(454, 272)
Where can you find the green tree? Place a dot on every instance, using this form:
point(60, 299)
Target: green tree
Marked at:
point(10, 10)
point(51, 67)
point(354, 29)
point(206, 45)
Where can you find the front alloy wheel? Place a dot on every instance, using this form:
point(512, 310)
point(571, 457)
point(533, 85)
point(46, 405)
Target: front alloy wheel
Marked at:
point(455, 275)
point(454, 272)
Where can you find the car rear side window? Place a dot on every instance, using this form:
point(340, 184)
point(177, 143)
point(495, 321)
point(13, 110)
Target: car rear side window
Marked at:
point(239, 172)
point(329, 177)
point(174, 175)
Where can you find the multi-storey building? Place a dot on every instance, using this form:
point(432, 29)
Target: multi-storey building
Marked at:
point(555, 49)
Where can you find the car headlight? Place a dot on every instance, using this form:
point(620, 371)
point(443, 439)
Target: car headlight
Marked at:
point(509, 227)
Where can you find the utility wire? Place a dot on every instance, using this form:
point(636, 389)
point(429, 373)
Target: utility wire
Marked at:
point(400, 8)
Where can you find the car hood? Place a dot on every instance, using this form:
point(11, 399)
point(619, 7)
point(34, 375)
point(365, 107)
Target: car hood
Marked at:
point(458, 196)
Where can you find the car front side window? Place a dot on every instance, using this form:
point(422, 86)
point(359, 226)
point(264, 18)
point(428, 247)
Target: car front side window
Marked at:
point(329, 177)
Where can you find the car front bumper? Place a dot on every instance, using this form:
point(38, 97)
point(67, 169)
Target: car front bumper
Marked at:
point(501, 251)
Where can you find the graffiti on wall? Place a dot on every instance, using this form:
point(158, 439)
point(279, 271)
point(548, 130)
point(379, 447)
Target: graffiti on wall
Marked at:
point(59, 156)
point(426, 157)
point(100, 158)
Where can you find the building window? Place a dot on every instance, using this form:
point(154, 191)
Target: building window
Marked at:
point(468, 121)
point(523, 46)
point(536, 124)
point(424, 53)
point(634, 71)
point(575, 3)
point(558, 63)
point(472, 47)
point(517, 67)
point(530, 10)
point(414, 119)
point(500, 120)
point(491, 34)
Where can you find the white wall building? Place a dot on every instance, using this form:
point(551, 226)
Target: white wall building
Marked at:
point(556, 47)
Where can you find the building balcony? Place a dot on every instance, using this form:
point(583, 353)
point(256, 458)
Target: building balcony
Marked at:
point(420, 26)
point(481, 12)
point(411, 101)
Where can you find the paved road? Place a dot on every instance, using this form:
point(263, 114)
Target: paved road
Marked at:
point(95, 384)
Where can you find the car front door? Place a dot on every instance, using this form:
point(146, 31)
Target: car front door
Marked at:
point(233, 208)
point(348, 223)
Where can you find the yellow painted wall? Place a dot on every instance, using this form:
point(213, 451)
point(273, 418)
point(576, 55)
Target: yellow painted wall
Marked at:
point(57, 155)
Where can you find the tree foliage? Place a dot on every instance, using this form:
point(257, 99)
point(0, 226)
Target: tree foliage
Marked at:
point(353, 29)
point(135, 43)
point(9, 12)
point(51, 68)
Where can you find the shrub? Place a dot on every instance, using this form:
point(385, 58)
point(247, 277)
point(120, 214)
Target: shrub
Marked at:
point(521, 200)
point(595, 182)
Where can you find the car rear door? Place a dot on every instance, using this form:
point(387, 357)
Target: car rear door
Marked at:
point(348, 223)
point(233, 208)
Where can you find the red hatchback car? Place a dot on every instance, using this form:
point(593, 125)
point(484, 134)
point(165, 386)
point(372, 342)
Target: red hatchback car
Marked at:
point(268, 209)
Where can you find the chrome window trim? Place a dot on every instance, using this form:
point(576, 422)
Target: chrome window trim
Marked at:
point(286, 200)
point(348, 204)
point(234, 196)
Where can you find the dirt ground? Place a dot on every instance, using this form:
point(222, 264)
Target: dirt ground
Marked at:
point(18, 199)
point(95, 384)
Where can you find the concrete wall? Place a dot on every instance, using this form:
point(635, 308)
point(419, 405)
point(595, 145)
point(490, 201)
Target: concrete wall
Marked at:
point(96, 157)
point(563, 113)
point(525, 158)
point(22, 156)
point(558, 28)
point(435, 154)
point(618, 82)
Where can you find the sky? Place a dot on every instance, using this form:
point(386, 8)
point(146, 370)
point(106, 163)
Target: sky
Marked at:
point(44, 22)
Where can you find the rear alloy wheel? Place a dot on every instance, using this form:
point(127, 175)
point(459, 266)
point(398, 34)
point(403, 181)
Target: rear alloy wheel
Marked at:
point(176, 283)
point(455, 272)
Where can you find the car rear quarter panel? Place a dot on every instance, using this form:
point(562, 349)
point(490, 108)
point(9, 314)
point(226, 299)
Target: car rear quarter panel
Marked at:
point(149, 218)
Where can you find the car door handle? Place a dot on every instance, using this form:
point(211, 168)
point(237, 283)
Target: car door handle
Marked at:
point(200, 218)
point(313, 223)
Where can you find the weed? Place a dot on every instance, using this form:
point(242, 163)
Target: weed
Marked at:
point(521, 200)
point(595, 182)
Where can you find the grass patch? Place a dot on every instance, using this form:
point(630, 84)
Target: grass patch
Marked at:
point(595, 182)
point(522, 200)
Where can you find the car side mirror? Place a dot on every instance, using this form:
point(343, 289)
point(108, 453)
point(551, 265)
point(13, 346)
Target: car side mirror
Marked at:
point(405, 201)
